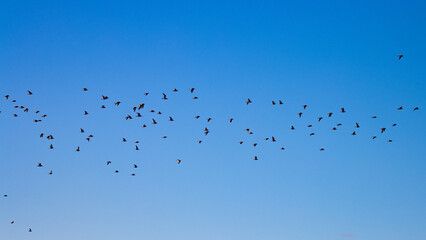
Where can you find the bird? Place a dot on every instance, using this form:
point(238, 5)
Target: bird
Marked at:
point(159, 112)
point(171, 119)
point(248, 101)
point(382, 130)
point(138, 115)
point(282, 148)
point(39, 165)
point(334, 128)
point(78, 149)
point(153, 121)
point(329, 114)
point(208, 119)
point(51, 146)
point(373, 137)
point(339, 124)
point(197, 117)
point(86, 113)
point(255, 158)
point(304, 106)
point(273, 103)
point(88, 139)
point(12, 222)
point(175, 90)
point(134, 109)
point(30, 230)
point(400, 108)
point(195, 98)
point(300, 114)
point(311, 134)
point(178, 161)
point(416, 108)
point(400, 56)
point(29, 92)
point(103, 106)
point(319, 119)
point(206, 131)
point(389, 140)
point(164, 97)
point(81, 130)
point(117, 103)
point(342, 110)
point(192, 90)
point(135, 166)
point(199, 141)
point(104, 97)
point(108, 163)
point(144, 125)
point(353, 133)
point(51, 172)
point(280, 102)
point(90, 136)
point(273, 139)
point(254, 144)
point(322, 149)
point(146, 94)
point(7, 97)
point(241, 142)
point(116, 171)
point(41, 135)
point(356, 125)
point(309, 125)
point(374, 117)
point(140, 106)
point(231, 119)
point(136, 148)
point(393, 125)
point(133, 174)
point(292, 127)
point(84, 89)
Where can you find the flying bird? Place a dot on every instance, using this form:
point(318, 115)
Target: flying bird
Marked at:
point(400, 56)
point(248, 101)
point(178, 161)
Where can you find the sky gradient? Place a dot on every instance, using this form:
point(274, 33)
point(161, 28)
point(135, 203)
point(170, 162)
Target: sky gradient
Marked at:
point(327, 55)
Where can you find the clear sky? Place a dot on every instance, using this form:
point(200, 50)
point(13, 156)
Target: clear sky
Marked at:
point(325, 54)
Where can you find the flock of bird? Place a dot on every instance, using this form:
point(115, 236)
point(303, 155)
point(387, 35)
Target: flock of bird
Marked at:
point(138, 108)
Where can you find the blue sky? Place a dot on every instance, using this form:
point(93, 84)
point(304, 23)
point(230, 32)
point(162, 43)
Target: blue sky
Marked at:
point(327, 55)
